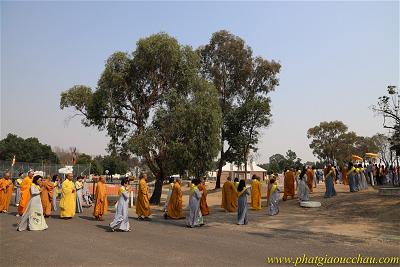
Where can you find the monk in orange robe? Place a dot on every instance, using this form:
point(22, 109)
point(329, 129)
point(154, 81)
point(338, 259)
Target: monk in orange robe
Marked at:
point(229, 196)
point(310, 178)
point(203, 201)
point(101, 204)
point(255, 192)
point(288, 184)
point(46, 196)
point(6, 190)
point(345, 178)
point(142, 202)
point(25, 193)
point(174, 210)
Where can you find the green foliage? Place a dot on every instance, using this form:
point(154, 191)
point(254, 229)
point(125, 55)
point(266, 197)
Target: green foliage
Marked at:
point(242, 82)
point(279, 163)
point(114, 164)
point(325, 139)
point(26, 150)
point(332, 142)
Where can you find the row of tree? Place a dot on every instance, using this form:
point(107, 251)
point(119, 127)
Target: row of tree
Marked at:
point(278, 162)
point(26, 150)
point(331, 141)
point(30, 150)
point(177, 108)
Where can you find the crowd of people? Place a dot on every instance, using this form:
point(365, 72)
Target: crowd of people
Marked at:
point(35, 196)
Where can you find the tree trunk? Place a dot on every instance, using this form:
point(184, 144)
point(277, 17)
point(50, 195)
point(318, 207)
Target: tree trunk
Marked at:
point(218, 182)
point(220, 165)
point(156, 196)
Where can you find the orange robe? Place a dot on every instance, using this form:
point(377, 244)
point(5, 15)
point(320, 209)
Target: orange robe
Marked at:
point(229, 196)
point(142, 202)
point(175, 203)
point(25, 195)
point(6, 190)
point(47, 197)
point(344, 176)
point(288, 185)
point(203, 201)
point(256, 194)
point(101, 204)
point(310, 178)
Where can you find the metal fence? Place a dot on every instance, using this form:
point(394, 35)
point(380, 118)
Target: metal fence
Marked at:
point(47, 169)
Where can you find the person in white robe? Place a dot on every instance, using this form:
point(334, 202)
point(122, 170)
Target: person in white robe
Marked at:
point(195, 218)
point(302, 188)
point(33, 218)
point(121, 219)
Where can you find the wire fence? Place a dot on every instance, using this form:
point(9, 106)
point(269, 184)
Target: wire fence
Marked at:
point(47, 169)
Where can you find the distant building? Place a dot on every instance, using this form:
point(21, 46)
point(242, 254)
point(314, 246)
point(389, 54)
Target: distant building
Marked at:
point(239, 171)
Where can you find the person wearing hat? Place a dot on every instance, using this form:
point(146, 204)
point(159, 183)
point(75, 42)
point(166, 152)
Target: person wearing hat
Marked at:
point(25, 193)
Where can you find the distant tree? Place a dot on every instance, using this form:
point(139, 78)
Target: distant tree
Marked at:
point(243, 83)
point(26, 150)
point(114, 164)
point(325, 139)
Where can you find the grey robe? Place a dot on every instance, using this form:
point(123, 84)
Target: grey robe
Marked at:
point(330, 187)
point(302, 190)
point(121, 220)
point(195, 217)
point(33, 218)
point(273, 208)
point(86, 194)
point(242, 207)
point(363, 182)
point(54, 201)
point(17, 193)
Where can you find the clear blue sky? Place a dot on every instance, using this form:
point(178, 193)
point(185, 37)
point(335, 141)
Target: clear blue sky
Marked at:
point(337, 59)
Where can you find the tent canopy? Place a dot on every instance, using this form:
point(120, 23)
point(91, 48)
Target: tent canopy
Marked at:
point(371, 155)
point(355, 157)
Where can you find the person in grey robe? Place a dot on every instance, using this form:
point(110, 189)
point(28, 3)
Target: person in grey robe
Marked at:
point(18, 188)
point(273, 200)
point(302, 188)
point(79, 194)
point(195, 217)
point(121, 220)
point(86, 194)
point(351, 174)
point(56, 181)
point(363, 179)
point(33, 218)
point(243, 192)
point(329, 182)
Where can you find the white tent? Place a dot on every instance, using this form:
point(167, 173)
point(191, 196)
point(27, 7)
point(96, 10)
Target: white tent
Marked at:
point(67, 169)
point(251, 167)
